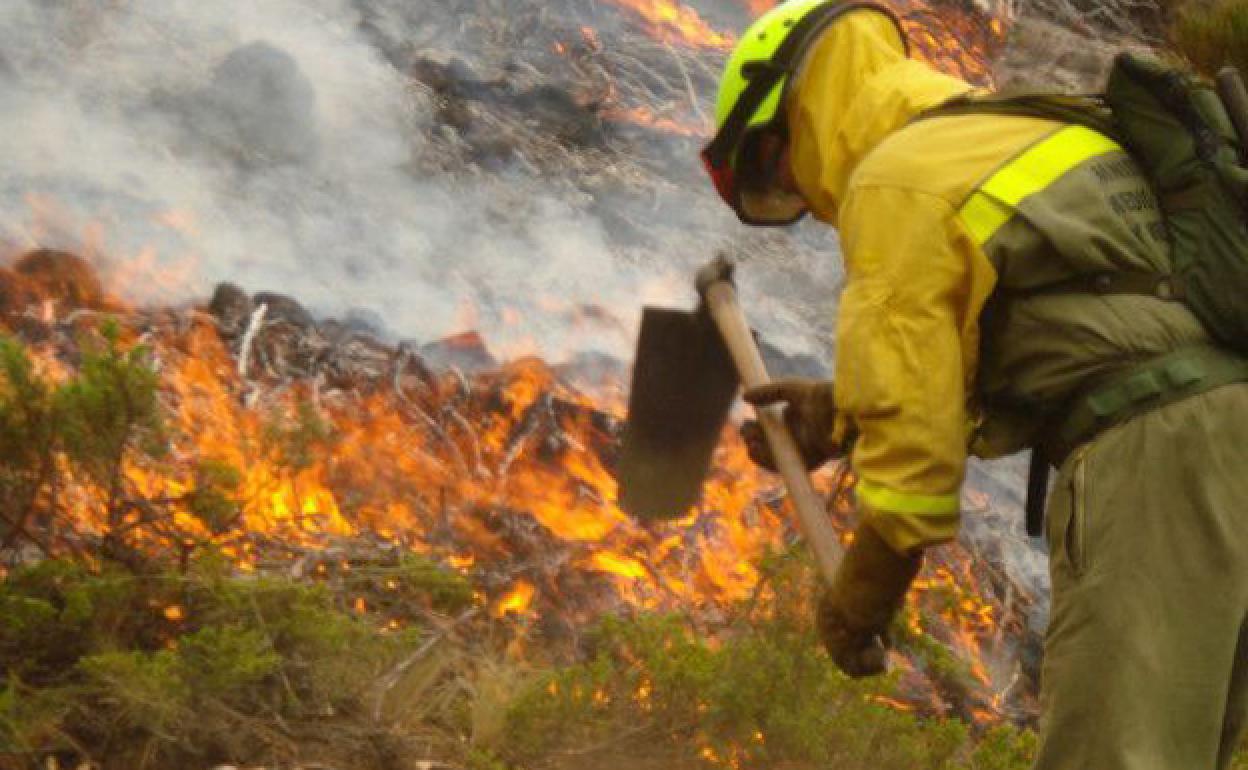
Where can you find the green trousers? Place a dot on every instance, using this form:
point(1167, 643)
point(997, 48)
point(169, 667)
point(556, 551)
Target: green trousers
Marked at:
point(1146, 658)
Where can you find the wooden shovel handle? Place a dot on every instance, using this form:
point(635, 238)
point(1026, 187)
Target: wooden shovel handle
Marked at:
point(720, 297)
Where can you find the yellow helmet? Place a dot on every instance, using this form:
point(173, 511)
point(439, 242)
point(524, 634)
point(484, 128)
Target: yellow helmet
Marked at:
point(751, 93)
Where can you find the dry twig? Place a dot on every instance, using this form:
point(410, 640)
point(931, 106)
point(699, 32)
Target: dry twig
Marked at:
point(249, 337)
point(395, 674)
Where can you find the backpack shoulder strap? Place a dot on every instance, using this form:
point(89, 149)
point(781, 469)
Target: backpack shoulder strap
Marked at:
point(1088, 110)
point(1093, 112)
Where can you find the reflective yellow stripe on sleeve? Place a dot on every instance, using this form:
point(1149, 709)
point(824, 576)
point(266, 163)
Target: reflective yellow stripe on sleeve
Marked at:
point(993, 204)
point(887, 500)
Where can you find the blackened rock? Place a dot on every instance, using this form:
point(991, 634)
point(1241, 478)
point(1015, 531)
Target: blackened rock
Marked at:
point(364, 321)
point(280, 307)
point(232, 308)
point(260, 108)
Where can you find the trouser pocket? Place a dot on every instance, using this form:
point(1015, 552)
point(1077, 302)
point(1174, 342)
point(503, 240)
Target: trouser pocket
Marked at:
point(1068, 513)
point(1076, 532)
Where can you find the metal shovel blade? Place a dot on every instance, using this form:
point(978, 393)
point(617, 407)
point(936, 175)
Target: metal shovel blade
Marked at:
point(684, 383)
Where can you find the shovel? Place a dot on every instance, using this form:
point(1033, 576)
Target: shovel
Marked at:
point(685, 379)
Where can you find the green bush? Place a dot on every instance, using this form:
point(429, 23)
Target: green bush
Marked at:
point(177, 666)
point(27, 436)
point(293, 441)
point(110, 409)
point(79, 433)
point(60, 613)
point(214, 498)
point(412, 586)
point(765, 698)
point(652, 693)
point(131, 691)
point(1003, 748)
point(228, 663)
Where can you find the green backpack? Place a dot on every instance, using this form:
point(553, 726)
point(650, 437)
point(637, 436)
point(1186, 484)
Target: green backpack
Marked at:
point(1181, 133)
point(1191, 143)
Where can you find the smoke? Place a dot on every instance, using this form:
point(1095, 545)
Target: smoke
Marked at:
point(180, 143)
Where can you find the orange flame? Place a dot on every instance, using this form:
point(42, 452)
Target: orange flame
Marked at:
point(671, 22)
point(517, 601)
point(406, 480)
point(645, 116)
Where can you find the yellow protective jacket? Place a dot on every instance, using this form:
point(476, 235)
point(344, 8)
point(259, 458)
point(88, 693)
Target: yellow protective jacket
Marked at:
point(929, 219)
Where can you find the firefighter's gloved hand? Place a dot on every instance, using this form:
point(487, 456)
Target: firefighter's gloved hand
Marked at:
point(856, 610)
point(810, 412)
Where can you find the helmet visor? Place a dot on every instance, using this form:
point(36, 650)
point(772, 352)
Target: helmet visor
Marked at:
point(770, 207)
point(750, 185)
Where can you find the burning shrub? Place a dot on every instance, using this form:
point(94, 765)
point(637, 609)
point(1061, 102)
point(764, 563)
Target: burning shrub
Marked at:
point(109, 410)
point(213, 500)
point(67, 277)
point(82, 433)
point(293, 442)
point(659, 694)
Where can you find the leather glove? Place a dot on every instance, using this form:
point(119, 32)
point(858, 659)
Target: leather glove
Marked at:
point(855, 612)
point(810, 412)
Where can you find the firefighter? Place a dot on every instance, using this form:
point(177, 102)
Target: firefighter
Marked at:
point(950, 341)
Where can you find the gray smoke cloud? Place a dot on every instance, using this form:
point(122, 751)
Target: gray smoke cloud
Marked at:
point(181, 143)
